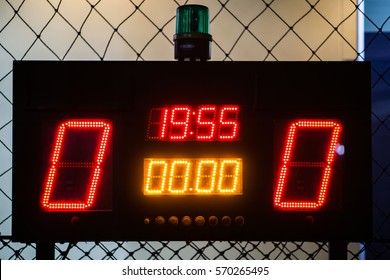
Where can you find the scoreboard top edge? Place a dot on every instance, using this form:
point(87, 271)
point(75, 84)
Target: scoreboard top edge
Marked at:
point(71, 63)
point(350, 70)
point(329, 84)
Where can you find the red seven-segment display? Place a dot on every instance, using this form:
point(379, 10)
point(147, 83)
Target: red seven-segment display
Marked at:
point(315, 168)
point(186, 123)
point(76, 165)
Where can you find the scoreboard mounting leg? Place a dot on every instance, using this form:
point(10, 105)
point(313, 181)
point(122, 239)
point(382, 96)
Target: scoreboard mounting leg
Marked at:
point(45, 251)
point(338, 250)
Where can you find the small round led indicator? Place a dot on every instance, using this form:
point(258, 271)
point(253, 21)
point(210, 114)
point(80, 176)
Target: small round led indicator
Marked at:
point(226, 221)
point(239, 220)
point(213, 221)
point(75, 221)
point(173, 221)
point(200, 221)
point(186, 221)
point(309, 220)
point(146, 221)
point(159, 220)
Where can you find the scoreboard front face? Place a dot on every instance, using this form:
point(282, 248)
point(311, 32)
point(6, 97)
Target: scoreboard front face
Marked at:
point(191, 151)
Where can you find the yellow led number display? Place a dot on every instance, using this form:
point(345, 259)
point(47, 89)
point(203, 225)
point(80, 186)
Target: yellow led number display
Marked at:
point(192, 176)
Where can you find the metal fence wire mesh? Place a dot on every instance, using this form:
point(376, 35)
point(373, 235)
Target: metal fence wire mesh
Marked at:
point(259, 30)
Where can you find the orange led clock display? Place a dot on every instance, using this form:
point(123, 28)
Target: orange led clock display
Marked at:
point(196, 176)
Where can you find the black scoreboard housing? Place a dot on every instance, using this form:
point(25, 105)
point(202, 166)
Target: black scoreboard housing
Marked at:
point(268, 93)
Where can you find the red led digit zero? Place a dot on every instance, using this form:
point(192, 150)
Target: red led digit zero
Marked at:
point(62, 163)
point(330, 133)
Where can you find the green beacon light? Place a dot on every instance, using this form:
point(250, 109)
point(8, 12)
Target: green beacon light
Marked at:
point(192, 38)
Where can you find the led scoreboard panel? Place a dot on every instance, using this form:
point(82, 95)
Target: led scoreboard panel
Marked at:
point(191, 151)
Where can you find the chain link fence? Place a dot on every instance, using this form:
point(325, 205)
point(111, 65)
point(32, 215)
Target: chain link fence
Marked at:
point(258, 30)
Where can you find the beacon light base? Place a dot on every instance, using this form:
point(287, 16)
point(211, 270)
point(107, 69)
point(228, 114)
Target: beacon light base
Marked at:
point(192, 39)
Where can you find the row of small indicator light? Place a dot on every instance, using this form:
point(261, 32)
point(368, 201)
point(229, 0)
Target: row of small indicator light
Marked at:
point(199, 221)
